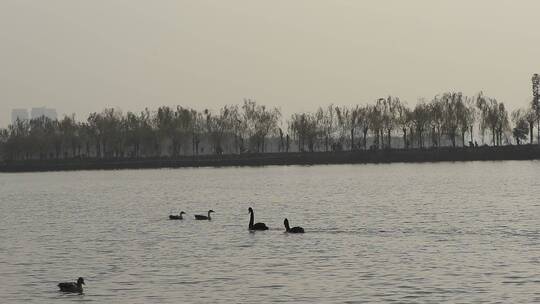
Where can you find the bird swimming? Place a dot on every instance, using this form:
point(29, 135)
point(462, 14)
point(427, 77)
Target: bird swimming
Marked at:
point(72, 286)
point(257, 226)
point(177, 217)
point(204, 217)
point(293, 229)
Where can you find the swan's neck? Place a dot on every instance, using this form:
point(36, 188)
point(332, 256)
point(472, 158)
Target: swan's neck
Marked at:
point(251, 219)
point(209, 215)
point(181, 216)
point(287, 227)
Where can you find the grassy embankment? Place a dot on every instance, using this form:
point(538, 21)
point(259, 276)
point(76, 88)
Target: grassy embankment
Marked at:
point(523, 152)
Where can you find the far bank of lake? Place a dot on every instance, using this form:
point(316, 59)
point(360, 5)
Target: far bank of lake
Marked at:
point(523, 152)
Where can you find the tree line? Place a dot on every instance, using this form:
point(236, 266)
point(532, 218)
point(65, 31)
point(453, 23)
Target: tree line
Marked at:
point(449, 119)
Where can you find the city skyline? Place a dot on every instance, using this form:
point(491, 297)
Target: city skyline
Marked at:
point(35, 112)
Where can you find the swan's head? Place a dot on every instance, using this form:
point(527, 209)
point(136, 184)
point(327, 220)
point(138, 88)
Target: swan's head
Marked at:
point(250, 210)
point(182, 213)
point(286, 223)
point(80, 281)
point(211, 211)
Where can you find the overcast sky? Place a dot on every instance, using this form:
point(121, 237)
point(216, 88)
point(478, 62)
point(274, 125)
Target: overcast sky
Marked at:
point(83, 56)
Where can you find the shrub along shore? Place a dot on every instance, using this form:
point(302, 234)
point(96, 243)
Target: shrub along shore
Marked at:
point(485, 153)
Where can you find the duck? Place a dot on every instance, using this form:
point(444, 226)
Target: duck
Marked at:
point(72, 286)
point(177, 217)
point(204, 217)
point(257, 226)
point(293, 229)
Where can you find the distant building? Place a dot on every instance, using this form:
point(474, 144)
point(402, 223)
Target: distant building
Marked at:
point(43, 111)
point(21, 114)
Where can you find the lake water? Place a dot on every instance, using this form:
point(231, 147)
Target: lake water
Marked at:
point(403, 233)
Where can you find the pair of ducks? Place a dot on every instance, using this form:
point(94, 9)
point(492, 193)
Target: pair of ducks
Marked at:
point(262, 226)
point(197, 216)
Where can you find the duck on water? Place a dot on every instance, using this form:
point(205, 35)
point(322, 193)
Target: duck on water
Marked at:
point(72, 286)
point(293, 229)
point(177, 217)
point(204, 217)
point(257, 226)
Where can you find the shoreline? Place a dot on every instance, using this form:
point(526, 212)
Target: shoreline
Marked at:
point(445, 154)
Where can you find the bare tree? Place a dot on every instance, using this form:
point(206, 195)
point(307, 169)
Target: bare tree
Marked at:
point(521, 126)
point(363, 123)
point(404, 121)
point(420, 119)
point(536, 103)
point(390, 111)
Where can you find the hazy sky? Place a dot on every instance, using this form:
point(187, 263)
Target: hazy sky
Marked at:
point(83, 56)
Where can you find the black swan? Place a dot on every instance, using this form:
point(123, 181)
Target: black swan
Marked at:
point(177, 217)
point(293, 229)
point(257, 226)
point(72, 286)
point(204, 217)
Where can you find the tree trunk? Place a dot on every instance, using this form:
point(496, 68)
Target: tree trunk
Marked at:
point(352, 139)
point(73, 149)
point(405, 145)
point(411, 137)
point(538, 131)
point(531, 128)
point(365, 139)
point(326, 143)
point(382, 139)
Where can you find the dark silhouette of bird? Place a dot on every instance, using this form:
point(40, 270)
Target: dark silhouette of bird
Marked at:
point(72, 286)
point(293, 229)
point(257, 226)
point(177, 217)
point(204, 217)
